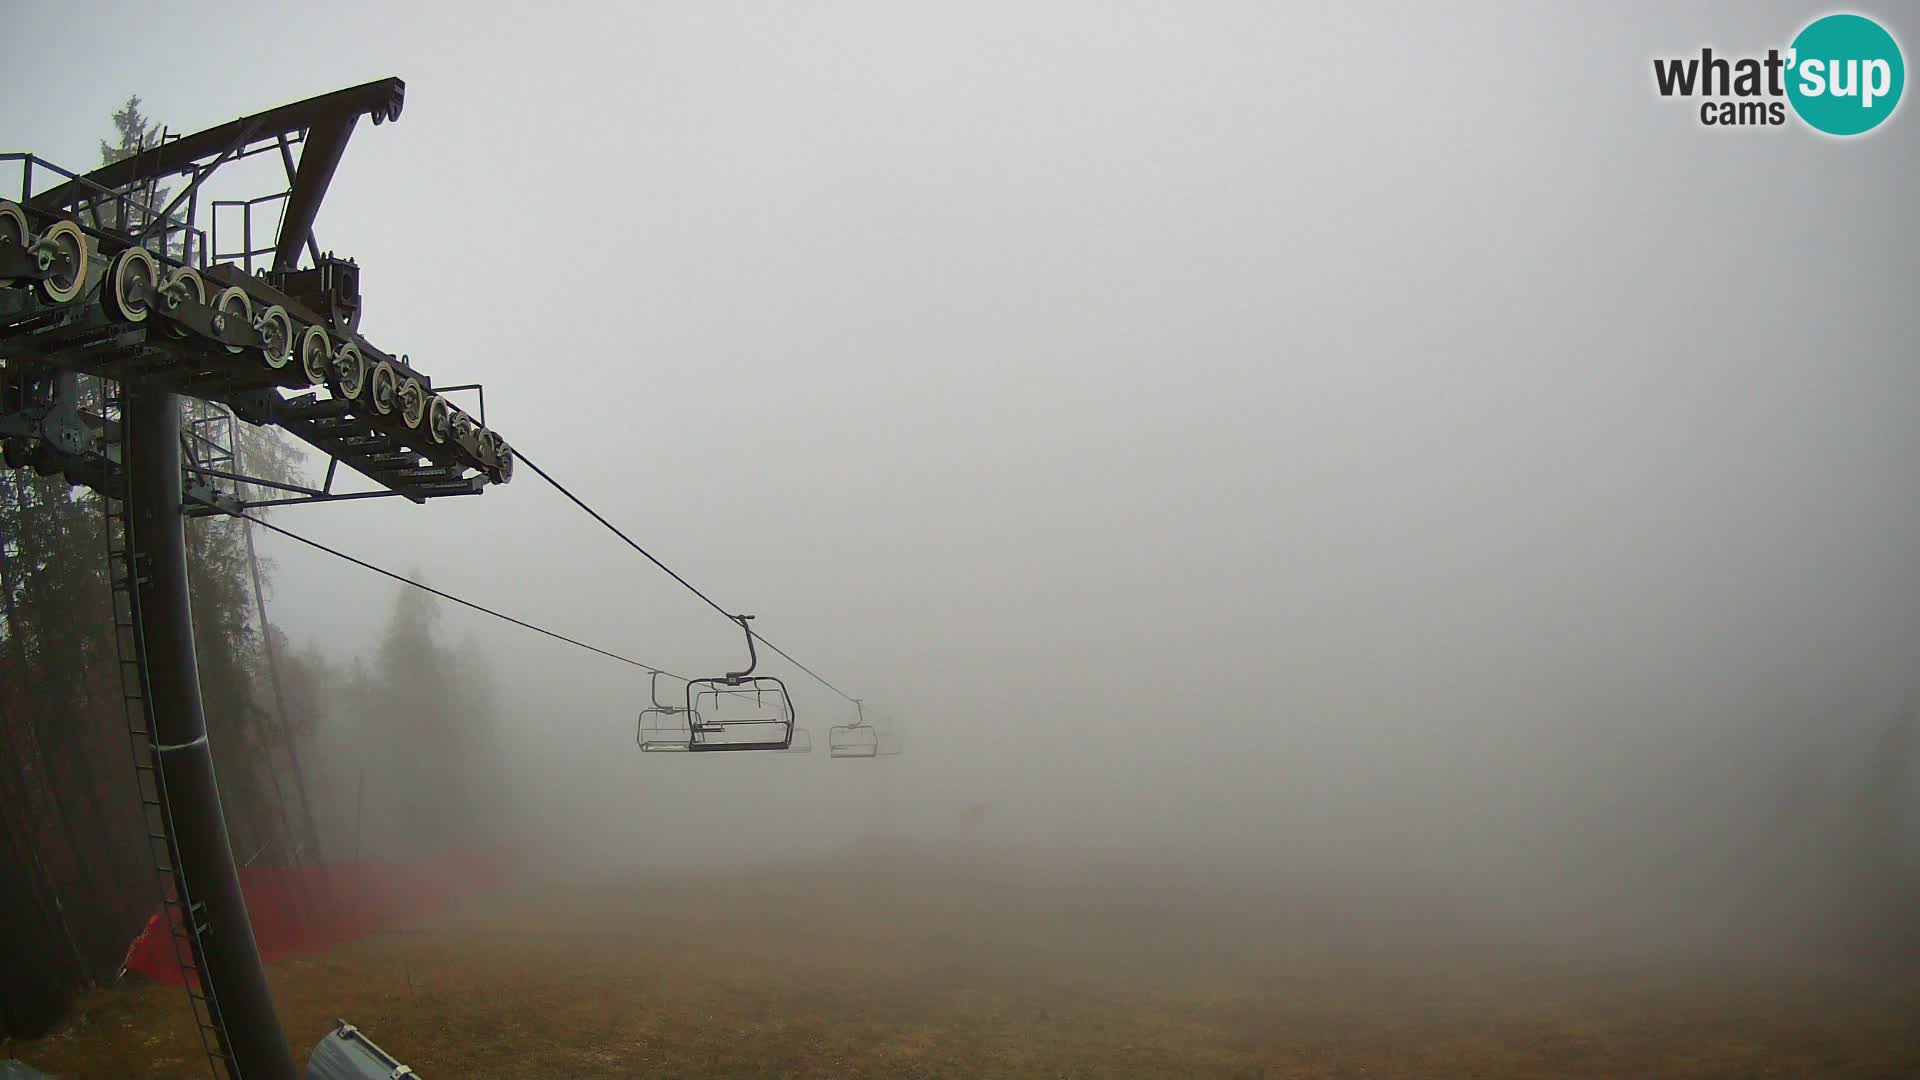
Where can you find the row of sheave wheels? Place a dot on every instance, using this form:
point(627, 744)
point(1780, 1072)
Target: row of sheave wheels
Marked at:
point(136, 282)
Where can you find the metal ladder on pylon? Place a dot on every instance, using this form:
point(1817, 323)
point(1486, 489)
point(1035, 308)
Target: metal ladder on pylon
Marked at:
point(181, 914)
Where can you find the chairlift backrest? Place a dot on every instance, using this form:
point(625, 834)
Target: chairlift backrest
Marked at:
point(762, 700)
point(653, 693)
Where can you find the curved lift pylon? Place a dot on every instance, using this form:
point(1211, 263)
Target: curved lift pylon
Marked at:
point(711, 715)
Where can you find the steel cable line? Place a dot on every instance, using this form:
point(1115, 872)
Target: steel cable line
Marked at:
point(615, 530)
point(403, 579)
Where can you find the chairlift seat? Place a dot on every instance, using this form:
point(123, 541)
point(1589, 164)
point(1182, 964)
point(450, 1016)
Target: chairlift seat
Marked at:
point(852, 741)
point(664, 729)
point(737, 721)
point(712, 747)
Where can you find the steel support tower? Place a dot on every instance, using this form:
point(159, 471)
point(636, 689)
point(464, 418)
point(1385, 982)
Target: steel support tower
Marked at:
point(114, 311)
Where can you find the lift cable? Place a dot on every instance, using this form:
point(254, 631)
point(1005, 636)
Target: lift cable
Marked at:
point(403, 579)
point(611, 527)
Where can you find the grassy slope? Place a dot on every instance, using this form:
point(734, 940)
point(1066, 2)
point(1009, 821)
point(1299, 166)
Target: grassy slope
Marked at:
point(838, 971)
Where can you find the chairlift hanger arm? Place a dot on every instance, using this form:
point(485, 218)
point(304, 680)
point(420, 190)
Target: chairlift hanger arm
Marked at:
point(653, 691)
point(753, 658)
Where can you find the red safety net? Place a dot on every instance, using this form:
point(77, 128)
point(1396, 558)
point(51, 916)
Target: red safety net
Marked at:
point(299, 910)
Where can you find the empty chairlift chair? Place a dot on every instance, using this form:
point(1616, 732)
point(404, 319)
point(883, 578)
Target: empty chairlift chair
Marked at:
point(855, 740)
point(663, 726)
point(743, 711)
point(753, 716)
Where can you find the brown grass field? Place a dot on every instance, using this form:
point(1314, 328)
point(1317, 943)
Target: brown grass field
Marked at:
point(925, 969)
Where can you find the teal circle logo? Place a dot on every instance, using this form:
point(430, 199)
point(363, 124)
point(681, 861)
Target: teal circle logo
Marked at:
point(1845, 74)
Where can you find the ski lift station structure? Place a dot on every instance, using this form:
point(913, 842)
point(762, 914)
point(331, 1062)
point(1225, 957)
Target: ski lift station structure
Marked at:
point(117, 316)
point(97, 280)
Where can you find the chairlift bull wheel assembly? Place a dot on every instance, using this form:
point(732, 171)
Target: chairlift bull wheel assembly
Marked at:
point(183, 285)
point(384, 391)
point(413, 403)
point(13, 230)
point(62, 251)
point(275, 327)
point(233, 305)
point(349, 375)
point(132, 281)
point(316, 355)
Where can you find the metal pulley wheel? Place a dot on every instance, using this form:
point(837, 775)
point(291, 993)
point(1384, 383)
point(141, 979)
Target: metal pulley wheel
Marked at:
point(182, 285)
point(132, 284)
point(233, 304)
point(62, 251)
point(385, 391)
point(275, 327)
point(413, 403)
point(349, 372)
point(439, 419)
point(316, 355)
point(13, 230)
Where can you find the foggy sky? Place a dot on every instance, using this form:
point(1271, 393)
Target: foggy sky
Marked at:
point(1204, 404)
